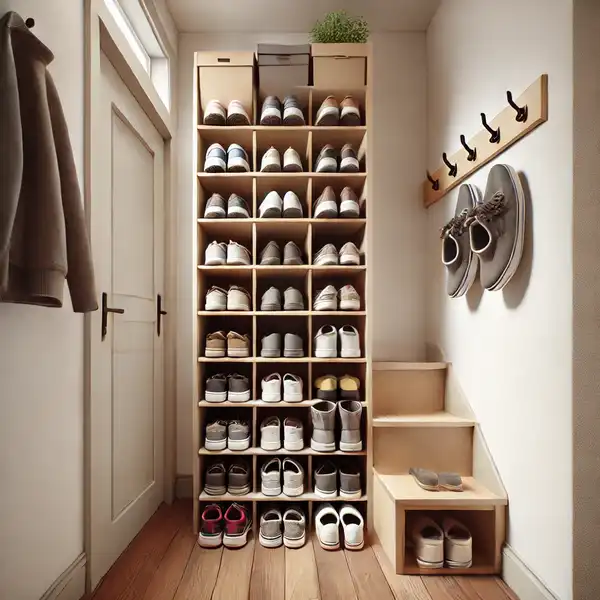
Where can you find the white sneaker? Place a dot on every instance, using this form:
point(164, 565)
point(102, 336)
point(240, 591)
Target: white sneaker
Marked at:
point(293, 434)
point(349, 298)
point(327, 525)
point(270, 433)
point(326, 342)
point(214, 113)
point(291, 161)
point(237, 254)
point(270, 478)
point(326, 256)
point(271, 388)
point(271, 161)
point(236, 114)
point(349, 254)
point(349, 342)
point(292, 209)
point(326, 299)
point(216, 254)
point(458, 544)
point(271, 206)
point(353, 525)
point(238, 298)
point(216, 299)
point(292, 388)
point(293, 478)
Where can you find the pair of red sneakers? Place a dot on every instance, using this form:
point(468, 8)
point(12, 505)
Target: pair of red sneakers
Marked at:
point(230, 530)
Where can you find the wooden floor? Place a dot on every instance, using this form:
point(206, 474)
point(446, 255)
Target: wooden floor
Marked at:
point(164, 562)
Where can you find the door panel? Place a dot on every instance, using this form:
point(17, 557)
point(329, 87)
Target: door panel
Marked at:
point(126, 367)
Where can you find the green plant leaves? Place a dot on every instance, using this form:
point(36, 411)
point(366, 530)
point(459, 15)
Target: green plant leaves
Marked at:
point(339, 27)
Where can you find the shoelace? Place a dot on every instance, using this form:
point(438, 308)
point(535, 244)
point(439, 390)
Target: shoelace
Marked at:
point(487, 211)
point(456, 225)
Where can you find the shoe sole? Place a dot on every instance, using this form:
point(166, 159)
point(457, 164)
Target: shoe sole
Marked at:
point(271, 168)
point(350, 495)
point(329, 117)
point(292, 168)
point(354, 547)
point(214, 119)
point(215, 397)
point(328, 547)
point(214, 165)
point(293, 492)
point(293, 446)
point(325, 495)
point(350, 119)
point(239, 491)
point(293, 120)
point(321, 447)
point(351, 446)
point(210, 541)
point(235, 541)
point(270, 543)
point(237, 120)
point(237, 165)
point(238, 444)
point(292, 213)
point(238, 396)
point(349, 165)
point(271, 213)
point(294, 543)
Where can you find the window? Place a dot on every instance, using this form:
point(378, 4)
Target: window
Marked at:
point(136, 26)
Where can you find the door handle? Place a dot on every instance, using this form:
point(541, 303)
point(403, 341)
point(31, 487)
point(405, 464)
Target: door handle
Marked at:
point(159, 313)
point(105, 310)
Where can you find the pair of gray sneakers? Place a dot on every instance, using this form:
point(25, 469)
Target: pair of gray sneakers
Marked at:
point(235, 480)
point(271, 254)
point(275, 472)
point(487, 233)
point(221, 434)
point(271, 346)
point(292, 300)
point(323, 421)
point(289, 528)
point(326, 482)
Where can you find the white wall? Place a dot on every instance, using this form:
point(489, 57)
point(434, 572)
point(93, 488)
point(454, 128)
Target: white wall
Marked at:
point(399, 99)
point(512, 349)
point(41, 376)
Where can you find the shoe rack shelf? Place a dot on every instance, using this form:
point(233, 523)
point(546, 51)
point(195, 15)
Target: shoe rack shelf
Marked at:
point(254, 233)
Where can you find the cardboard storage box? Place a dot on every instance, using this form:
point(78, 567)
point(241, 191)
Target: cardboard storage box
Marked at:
point(226, 76)
point(282, 68)
point(337, 66)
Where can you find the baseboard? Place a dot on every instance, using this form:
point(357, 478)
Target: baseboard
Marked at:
point(184, 486)
point(521, 579)
point(71, 584)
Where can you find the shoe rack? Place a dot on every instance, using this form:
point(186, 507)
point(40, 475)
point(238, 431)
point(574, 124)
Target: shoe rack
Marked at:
point(309, 234)
point(421, 419)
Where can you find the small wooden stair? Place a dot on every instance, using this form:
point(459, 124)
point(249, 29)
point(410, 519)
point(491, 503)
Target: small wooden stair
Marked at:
point(413, 427)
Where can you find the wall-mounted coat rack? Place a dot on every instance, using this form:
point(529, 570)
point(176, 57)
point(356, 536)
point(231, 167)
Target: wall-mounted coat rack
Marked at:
point(520, 117)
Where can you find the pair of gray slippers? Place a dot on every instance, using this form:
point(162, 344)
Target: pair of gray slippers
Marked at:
point(485, 234)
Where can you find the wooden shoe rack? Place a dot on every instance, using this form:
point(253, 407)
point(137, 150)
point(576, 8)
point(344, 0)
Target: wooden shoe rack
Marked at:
point(309, 234)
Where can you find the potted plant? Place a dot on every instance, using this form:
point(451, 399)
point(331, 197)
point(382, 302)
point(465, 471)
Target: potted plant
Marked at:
point(339, 50)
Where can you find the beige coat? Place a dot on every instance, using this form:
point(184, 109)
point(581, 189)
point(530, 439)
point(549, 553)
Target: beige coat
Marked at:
point(43, 236)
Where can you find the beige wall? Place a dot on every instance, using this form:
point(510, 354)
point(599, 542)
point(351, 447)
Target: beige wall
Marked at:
point(41, 375)
point(398, 146)
point(512, 350)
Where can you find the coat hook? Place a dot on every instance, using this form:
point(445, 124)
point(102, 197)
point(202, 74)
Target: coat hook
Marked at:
point(521, 111)
point(435, 183)
point(452, 169)
point(495, 133)
point(30, 22)
point(472, 151)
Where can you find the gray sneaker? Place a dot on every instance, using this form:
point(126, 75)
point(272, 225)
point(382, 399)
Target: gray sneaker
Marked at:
point(326, 481)
point(348, 160)
point(215, 389)
point(293, 478)
point(216, 159)
point(271, 300)
point(293, 434)
point(292, 112)
point(326, 160)
point(270, 478)
point(294, 528)
point(216, 207)
point(292, 255)
point(237, 159)
point(292, 299)
point(350, 484)
point(238, 388)
point(271, 111)
point(271, 254)
point(323, 421)
point(293, 346)
point(350, 413)
point(461, 264)
point(214, 480)
point(326, 256)
point(497, 227)
point(238, 479)
point(271, 535)
point(238, 435)
point(215, 437)
point(271, 346)
point(237, 207)
point(270, 434)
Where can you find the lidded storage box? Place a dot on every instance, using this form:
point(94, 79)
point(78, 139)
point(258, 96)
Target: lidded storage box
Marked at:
point(338, 66)
point(281, 68)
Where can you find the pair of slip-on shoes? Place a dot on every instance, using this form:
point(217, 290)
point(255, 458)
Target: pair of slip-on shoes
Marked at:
point(485, 233)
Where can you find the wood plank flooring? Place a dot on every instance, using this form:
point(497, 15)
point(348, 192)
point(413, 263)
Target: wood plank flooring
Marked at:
point(164, 562)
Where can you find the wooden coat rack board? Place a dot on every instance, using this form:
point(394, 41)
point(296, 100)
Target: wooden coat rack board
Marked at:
point(519, 118)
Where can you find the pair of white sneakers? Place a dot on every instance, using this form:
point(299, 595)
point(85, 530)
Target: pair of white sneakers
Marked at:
point(271, 161)
point(215, 114)
point(272, 384)
point(236, 298)
point(327, 525)
point(273, 207)
point(220, 253)
point(326, 342)
point(293, 434)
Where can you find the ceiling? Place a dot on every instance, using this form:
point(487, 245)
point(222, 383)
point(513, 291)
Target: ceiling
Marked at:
point(296, 16)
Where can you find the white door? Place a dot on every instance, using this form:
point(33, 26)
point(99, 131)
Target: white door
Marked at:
point(126, 364)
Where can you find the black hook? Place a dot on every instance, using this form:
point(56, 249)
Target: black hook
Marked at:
point(30, 22)
point(495, 133)
point(521, 111)
point(472, 151)
point(452, 169)
point(435, 183)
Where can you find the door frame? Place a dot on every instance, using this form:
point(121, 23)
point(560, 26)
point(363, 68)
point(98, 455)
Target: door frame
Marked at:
point(102, 35)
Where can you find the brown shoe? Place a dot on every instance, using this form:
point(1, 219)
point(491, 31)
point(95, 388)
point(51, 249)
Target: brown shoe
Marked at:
point(215, 345)
point(238, 346)
point(349, 207)
point(326, 206)
point(349, 160)
point(329, 112)
point(350, 113)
